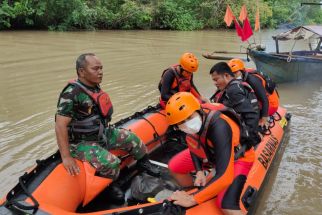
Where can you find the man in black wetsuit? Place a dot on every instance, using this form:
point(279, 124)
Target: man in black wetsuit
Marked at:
point(212, 138)
point(238, 96)
point(237, 66)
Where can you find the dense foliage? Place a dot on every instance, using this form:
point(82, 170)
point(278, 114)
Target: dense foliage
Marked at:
point(147, 14)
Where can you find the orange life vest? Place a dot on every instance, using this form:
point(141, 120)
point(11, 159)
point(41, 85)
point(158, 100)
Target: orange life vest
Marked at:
point(199, 145)
point(93, 125)
point(273, 98)
point(269, 84)
point(180, 83)
point(101, 99)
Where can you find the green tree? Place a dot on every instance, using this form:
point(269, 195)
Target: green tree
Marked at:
point(148, 14)
point(6, 15)
point(174, 15)
point(133, 16)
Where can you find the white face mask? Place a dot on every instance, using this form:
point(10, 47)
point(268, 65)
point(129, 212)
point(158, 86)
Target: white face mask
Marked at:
point(193, 125)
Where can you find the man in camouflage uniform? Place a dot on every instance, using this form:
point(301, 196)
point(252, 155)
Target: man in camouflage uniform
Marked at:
point(82, 125)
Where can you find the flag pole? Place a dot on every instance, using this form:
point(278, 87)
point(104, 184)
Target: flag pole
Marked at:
point(259, 29)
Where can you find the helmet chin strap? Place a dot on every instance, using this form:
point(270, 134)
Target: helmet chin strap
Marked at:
point(203, 115)
point(182, 70)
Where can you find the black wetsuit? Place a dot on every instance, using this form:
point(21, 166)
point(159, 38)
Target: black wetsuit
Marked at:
point(260, 92)
point(220, 155)
point(235, 97)
point(217, 139)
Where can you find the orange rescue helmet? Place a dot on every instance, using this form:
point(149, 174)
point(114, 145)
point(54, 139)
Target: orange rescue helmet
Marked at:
point(236, 65)
point(189, 62)
point(180, 107)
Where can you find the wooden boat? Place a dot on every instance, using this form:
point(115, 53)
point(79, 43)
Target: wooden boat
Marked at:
point(223, 55)
point(292, 66)
point(48, 189)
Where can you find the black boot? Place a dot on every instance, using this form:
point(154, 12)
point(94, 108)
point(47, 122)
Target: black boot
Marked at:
point(145, 165)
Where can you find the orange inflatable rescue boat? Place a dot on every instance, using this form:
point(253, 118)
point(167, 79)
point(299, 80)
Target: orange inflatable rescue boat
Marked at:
point(48, 189)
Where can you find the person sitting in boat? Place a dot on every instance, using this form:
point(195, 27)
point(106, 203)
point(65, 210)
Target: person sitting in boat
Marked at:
point(212, 139)
point(269, 102)
point(179, 78)
point(82, 127)
point(240, 97)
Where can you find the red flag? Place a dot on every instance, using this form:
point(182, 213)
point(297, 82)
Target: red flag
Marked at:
point(229, 16)
point(239, 30)
point(257, 22)
point(243, 14)
point(244, 33)
point(247, 30)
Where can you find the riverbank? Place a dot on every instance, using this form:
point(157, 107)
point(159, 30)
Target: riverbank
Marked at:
point(184, 15)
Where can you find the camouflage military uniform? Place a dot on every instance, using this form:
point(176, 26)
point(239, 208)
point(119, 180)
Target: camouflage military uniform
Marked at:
point(76, 104)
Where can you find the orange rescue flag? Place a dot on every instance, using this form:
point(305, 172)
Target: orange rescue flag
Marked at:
point(243, 13)
point(229, 16)
point(257, 23)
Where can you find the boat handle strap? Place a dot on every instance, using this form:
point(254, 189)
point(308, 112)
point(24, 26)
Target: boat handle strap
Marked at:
point(21, 206)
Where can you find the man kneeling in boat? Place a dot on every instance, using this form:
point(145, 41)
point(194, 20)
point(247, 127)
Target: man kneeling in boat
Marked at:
point(212, 139)
point(82, 125)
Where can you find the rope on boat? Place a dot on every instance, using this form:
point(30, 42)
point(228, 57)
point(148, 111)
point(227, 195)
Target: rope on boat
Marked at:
point(140, 115)
point(16, 204)
point(289, 58)
point(163, 208)
point(272, 121)
point(154, 109)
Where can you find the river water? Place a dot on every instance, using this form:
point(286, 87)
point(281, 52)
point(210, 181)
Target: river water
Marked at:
point(35, 66)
